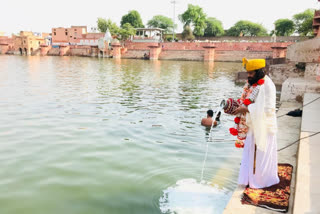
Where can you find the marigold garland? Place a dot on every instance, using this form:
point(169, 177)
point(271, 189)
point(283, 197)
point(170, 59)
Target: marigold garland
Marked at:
point(260, 82)
point(246, 102)
point(237, 120)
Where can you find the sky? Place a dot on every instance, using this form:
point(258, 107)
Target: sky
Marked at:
point(42, 15)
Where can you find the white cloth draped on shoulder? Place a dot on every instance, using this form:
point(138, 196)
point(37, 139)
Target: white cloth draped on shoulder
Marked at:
point(261, 121)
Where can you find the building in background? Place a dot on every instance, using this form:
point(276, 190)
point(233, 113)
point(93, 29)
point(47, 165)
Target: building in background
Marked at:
point(76, 35)
point(6, 43)
point(148, 35)
point(27, 42)
point(67, 36)
point(316, 23)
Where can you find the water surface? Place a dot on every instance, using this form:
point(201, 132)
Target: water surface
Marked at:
point(85, 135)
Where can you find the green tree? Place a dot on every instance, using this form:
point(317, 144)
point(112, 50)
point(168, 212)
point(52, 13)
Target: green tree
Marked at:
point(133, 18)
point(104, 25)
point(214, 27)
point(194, 16)
point(284, 27)
point(126, 31)
point(187, 33)
point(247, 28)
point(303, 22)
point(163, 22)
point(169, 38)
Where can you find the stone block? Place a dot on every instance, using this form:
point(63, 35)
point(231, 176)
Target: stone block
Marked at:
point(293, 89)
point(312, 69)
point(306, 51)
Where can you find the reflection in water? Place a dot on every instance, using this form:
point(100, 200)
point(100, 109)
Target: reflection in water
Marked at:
point(109, 134)
point(210, 68)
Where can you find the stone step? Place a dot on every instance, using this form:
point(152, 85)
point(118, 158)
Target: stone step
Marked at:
point(307, 193)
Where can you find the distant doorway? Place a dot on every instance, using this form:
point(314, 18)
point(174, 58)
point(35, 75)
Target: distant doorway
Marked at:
point(20, 49)
point(25, 51)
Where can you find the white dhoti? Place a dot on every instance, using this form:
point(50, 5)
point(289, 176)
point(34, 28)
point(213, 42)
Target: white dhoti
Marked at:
point(266, 171)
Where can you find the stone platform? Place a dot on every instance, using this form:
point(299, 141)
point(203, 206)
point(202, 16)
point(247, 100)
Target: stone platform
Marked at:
point(307, 193)
point(293, 89)
point(289, 131)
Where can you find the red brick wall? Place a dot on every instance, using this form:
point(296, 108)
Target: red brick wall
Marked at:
point(231, 46)
point(135, 54)
point(190, 55)
point(233, 56)
point(224, 51)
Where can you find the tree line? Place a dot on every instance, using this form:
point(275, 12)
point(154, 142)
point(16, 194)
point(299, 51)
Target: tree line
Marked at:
point(196, 23)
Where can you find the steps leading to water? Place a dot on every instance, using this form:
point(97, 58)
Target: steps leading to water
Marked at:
point(307, 194)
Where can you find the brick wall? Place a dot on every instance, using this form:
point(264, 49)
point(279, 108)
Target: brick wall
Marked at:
point(54, 52)
point(255, 38)
point(249, 38)
point(234, 56)
point(135, 54)
point(226, 51)
point(190, 55)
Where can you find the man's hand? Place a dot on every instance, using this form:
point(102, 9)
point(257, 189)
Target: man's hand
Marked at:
point(241, 110)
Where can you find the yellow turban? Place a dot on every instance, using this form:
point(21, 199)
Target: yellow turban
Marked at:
point(253, 64)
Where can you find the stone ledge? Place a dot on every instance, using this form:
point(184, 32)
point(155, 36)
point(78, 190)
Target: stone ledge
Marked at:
point(293, 89)
point(308, 173)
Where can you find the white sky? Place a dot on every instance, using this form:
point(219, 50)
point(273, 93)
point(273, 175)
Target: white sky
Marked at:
point(42, 15)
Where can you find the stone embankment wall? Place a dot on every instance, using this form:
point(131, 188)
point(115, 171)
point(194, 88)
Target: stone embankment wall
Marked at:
point(307, 51)
point(199, 51)
point(280, 73)
point(83, 51)
point(54, 52)
point(255, 39)
point(74, 51)
point(228, 51)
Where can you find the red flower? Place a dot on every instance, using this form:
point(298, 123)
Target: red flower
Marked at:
point(260, 81)
point(239, 144)
point(238, 100)
point(237, 120)
point(233, 131)
point(247, 102)
point(254, 85)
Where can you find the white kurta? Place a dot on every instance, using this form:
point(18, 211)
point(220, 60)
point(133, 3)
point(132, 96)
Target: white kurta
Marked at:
point(266, 173)
point(262, 124)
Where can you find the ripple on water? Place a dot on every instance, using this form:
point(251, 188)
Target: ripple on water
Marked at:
point(189, 196)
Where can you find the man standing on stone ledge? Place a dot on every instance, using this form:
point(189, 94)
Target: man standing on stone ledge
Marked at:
point(256, 128)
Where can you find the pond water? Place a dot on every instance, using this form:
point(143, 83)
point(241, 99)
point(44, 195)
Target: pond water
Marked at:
point(86, 135)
